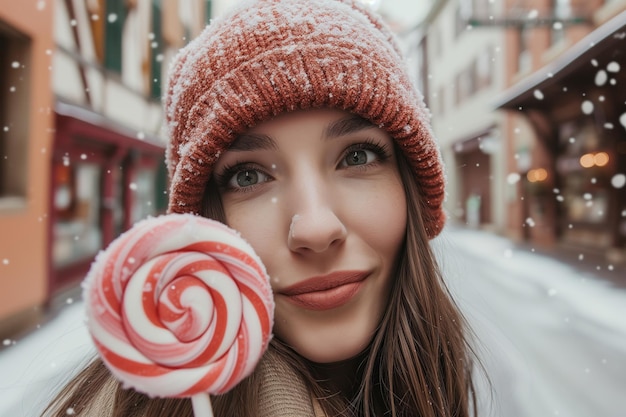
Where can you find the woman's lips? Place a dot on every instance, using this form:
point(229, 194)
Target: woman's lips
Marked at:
point(325, 292)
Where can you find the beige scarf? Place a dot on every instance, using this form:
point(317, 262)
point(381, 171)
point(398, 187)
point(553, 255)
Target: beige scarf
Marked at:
point(283, 393)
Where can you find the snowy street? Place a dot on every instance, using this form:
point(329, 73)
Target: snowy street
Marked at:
point(552, 339)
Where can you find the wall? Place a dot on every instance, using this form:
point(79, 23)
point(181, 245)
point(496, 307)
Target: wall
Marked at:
point(455, 123)
point(23, 224)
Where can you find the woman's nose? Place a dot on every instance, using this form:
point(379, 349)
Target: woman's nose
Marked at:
point(315, 226)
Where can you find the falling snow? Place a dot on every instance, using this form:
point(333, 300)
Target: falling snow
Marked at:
point(601, 78)
point(613, 67)
point(587, 107)
point(618, 181)
point(513, 178)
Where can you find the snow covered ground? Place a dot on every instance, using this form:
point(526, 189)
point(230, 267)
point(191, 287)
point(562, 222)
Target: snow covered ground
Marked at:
point(33, 368)
point(552, 339)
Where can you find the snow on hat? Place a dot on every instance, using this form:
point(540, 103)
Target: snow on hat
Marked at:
point(269, 57)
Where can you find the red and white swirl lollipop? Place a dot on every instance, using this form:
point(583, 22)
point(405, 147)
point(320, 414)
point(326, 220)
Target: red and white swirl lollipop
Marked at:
point(178, 306)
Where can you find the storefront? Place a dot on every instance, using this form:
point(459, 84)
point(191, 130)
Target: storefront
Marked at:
point(103, 180)
point(473, 159)
point(577, 108)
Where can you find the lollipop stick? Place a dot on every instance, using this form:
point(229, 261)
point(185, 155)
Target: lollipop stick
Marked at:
point(202, 405)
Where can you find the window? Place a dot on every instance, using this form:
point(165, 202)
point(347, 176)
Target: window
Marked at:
point(484, 69)
point(156, 47)
point(460, 22)
point(561, 9)
point(472, 77)
point(464, 86)
point(421, 74)
point(208, 11)
point(524, 59)
point(436, 41)
point(77, 203)
point(482, 9)
point(441, 100)
point(114, 18)
point(14, 111)
point(145, 193)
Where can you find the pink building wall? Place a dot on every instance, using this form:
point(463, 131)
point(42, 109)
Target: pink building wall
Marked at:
point(24, 223)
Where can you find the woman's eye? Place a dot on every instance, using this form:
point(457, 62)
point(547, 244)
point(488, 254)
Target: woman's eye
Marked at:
point(247, 178)
point(359, 157)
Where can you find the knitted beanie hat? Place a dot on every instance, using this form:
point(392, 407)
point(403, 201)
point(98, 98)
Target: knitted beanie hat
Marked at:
point(269, 57)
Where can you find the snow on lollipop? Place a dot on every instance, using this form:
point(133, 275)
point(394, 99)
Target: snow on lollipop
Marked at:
point(179, 305)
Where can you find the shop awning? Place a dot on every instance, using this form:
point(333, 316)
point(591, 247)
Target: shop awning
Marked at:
point(576, 66)
point(83, 123)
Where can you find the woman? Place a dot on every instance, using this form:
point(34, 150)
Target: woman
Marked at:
point(295, 123)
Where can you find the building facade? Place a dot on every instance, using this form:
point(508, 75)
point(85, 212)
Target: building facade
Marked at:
point(83, 145)
point(529, 107)
point(567, 100)
point(460, 70)
point(26, 143)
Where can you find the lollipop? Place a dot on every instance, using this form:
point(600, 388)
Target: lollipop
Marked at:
point(179, 306)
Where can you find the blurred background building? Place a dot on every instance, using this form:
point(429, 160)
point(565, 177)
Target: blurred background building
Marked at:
point(527, 98)
point(81, 147)
point(529, 105)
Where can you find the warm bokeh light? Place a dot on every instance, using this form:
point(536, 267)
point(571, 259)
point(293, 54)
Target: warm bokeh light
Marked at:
point(586, 161)
point(541, 174)
point(537, 175)
point(601, 159)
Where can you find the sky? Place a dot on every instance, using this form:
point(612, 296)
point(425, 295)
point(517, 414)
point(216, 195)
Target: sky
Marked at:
point(405, 12)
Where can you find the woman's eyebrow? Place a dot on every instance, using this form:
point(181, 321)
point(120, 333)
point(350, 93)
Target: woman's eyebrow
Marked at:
point(252, 142)
point(346, 126)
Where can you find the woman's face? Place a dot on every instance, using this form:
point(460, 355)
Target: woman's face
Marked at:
point(318, 195)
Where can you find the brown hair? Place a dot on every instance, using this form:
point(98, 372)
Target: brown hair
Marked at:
point(418, 363)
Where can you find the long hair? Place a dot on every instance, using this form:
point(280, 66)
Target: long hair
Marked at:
point(419, 362)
